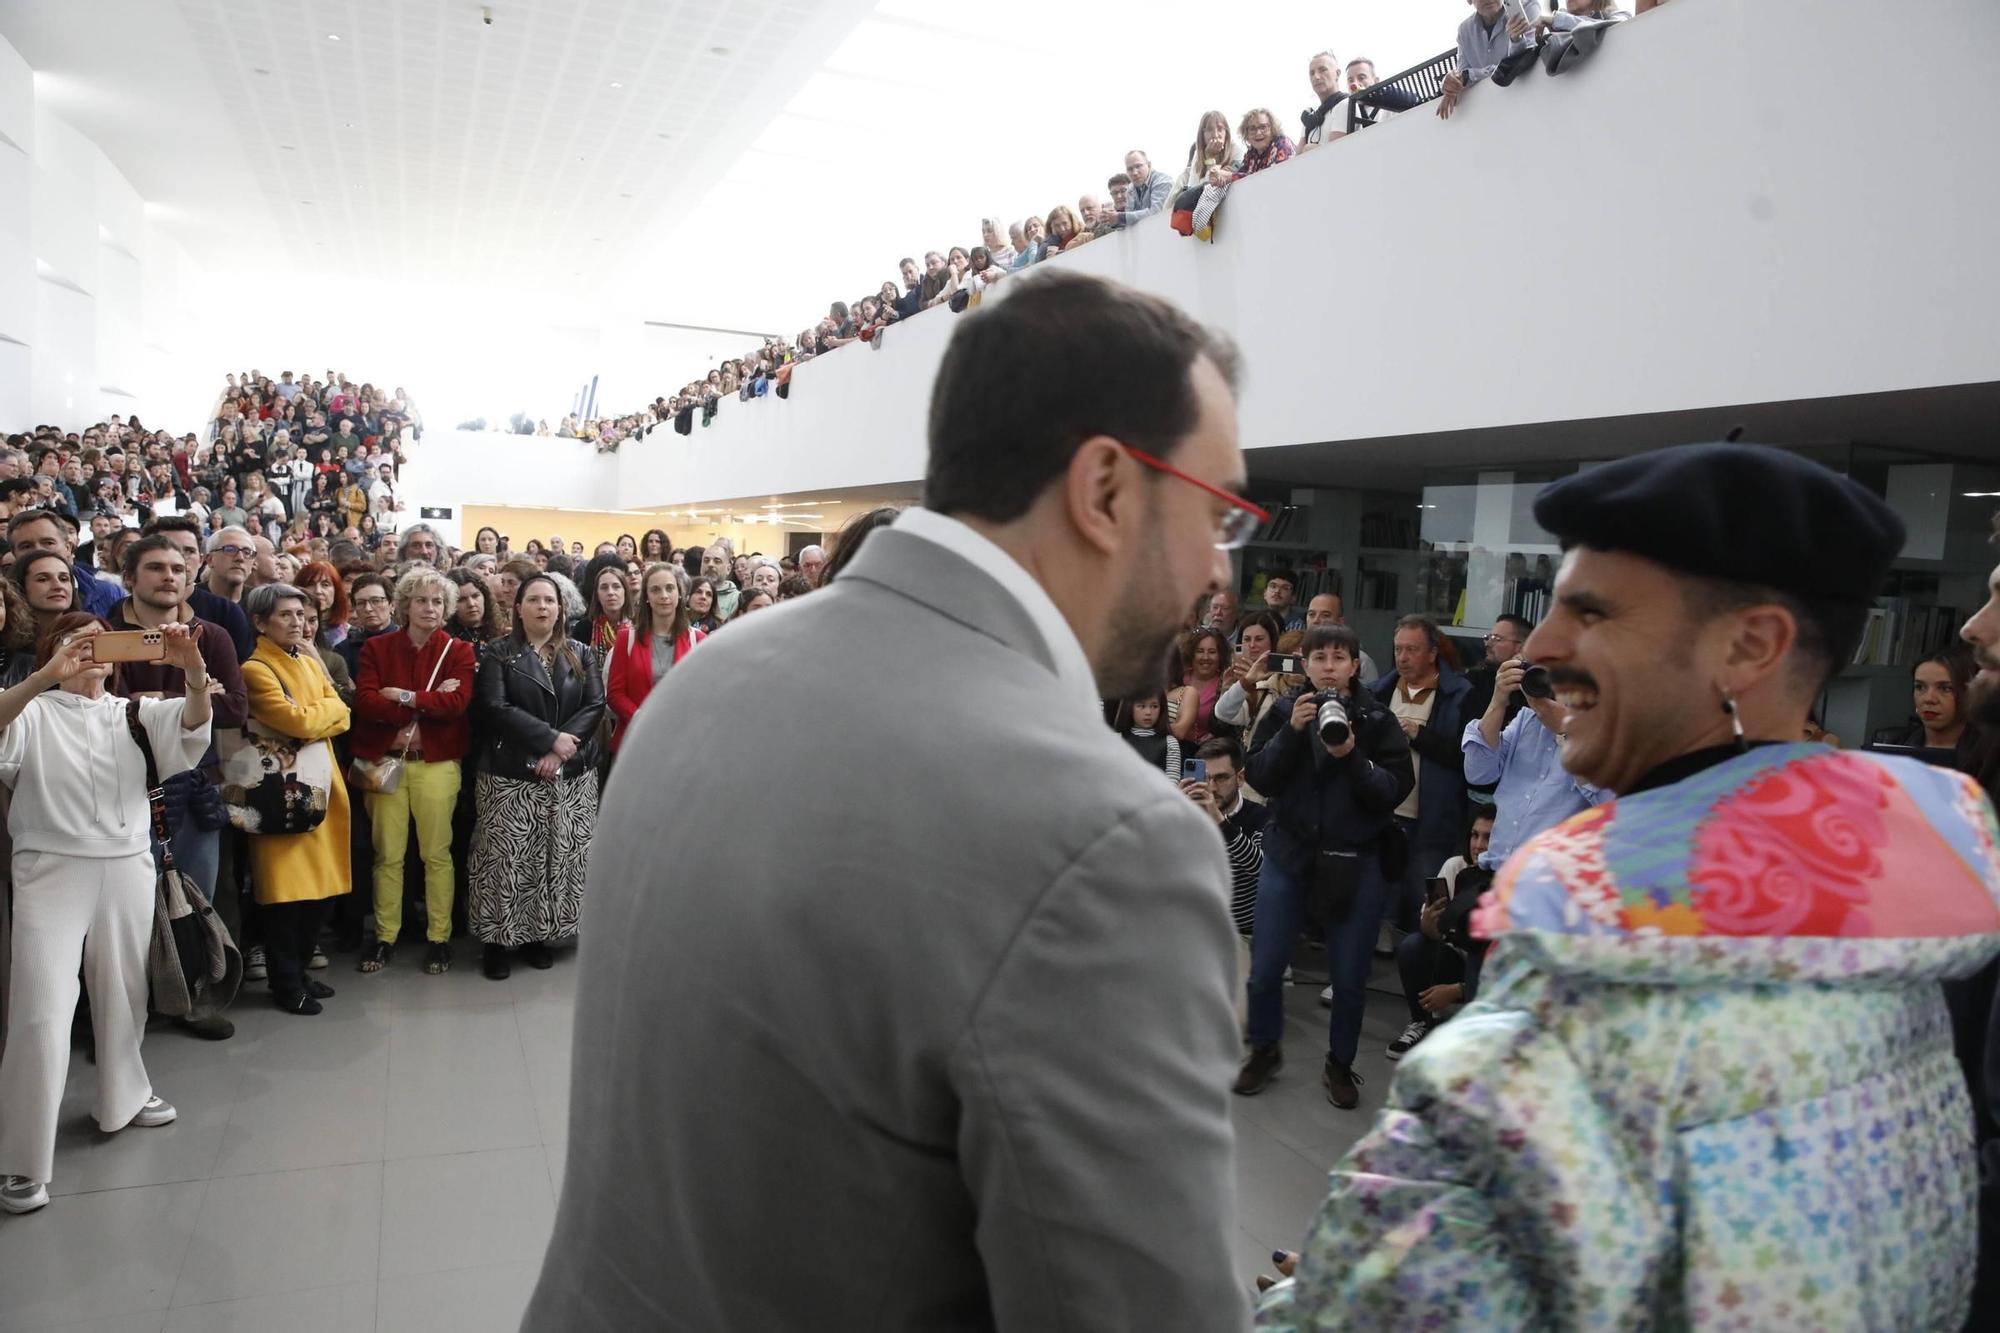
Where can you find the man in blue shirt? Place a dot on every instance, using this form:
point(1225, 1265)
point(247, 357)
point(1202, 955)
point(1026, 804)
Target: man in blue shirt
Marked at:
point(1534, 792)
point(1148, 193)
point(1524, 757)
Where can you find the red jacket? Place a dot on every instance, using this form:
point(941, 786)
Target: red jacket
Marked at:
point(632, 675)
point(391, 662)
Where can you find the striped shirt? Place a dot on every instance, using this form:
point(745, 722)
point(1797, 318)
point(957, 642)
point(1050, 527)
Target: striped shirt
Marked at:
point(1243, 836)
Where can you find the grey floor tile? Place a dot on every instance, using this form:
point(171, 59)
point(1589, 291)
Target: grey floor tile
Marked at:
point(458, 1083)
point(95, 1256)
point(1277, 1192)
point(146, 1322)
point(284, 1231)
point(347, 1308)
point(464, 1210)
point(467, 1300)
point(291, 1122)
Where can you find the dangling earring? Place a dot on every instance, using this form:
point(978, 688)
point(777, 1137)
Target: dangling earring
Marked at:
point(1735, 722)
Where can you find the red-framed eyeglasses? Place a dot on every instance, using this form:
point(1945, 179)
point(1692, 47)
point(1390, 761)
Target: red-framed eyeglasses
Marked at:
point(1237, 525)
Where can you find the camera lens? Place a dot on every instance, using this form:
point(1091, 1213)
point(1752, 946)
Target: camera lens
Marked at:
point(1535, 683)
point(1333, 725)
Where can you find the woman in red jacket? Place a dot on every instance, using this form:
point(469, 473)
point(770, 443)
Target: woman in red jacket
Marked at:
point(661, 637)
point(412, 688)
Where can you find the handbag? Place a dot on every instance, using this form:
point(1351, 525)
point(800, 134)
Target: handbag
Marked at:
point(276, 784)
point(383, 776)
point(191, 961)
point(191, 795)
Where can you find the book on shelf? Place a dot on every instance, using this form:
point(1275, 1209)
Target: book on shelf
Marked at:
point(1901, 634)
point(1286, 523)
point(1388, 531)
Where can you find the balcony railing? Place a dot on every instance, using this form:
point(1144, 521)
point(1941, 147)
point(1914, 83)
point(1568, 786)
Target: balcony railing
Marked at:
point(1404, 92)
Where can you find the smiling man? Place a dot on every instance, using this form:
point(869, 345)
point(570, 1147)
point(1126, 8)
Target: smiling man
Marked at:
point(1709, 1028)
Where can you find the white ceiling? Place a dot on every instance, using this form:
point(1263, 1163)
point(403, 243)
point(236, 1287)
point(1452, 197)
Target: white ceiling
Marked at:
point(423, 145)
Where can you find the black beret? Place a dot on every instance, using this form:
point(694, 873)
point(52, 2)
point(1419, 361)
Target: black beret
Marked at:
point(1746, 513)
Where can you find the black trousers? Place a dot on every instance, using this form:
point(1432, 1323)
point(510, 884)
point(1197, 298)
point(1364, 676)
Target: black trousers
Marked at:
point(1422, 963)
point(291, 930)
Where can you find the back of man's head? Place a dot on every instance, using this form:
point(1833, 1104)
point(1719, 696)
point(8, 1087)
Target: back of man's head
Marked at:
point(1105, 360)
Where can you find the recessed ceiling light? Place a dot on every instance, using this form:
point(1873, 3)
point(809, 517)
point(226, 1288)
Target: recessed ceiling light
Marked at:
point(665, 135)
point(624, 194)
point(288, 148)
point(260, 70)
point(333, 37)
point(347, 124)
point(616, 84)
point(718, 50)
point(307, 202)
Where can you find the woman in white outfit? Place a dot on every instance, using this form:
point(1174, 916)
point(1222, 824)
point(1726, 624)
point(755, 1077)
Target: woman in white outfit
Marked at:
point(83, 885)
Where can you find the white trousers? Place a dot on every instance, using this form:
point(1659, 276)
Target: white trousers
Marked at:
point(70, 910)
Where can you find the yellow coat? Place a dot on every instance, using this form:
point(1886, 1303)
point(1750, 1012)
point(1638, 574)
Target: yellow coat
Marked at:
point(299, 867)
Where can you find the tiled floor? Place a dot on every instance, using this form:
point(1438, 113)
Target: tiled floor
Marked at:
point(393, 1164)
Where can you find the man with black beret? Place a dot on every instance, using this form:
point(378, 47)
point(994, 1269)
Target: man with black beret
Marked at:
point(1709, 1076)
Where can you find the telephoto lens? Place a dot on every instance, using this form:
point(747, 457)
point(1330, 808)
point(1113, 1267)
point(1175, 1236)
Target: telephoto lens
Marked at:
point(1334, 728)
point(1535, 683)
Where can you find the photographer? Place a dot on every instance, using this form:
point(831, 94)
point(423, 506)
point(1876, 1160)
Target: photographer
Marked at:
point(1332, 762)
point(1522, 759)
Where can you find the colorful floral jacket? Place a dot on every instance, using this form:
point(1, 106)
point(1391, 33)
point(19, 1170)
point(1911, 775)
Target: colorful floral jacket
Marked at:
point(1709, 1082)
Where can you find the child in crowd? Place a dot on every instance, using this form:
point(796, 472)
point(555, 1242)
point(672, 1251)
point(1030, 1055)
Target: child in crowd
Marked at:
point(1139, 723)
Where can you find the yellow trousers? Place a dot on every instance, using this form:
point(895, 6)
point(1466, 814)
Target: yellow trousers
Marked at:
point(428, 794)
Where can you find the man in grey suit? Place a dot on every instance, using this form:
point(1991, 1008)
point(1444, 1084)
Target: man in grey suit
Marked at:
point(949, 1046)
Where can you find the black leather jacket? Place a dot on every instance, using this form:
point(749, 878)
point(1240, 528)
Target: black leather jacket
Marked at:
point(521, 709)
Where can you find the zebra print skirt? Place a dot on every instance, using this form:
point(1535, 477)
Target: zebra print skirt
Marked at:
point(530, 849)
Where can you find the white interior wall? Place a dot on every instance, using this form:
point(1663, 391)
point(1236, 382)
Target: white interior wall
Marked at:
point(100, 309)
point(1597, 245)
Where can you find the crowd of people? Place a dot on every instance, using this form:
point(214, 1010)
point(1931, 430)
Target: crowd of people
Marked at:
point(450, 714)
point(1489, 45)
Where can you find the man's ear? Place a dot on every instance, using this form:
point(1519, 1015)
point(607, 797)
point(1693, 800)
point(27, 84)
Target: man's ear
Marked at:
point(1761, 639)
point(1099, 494)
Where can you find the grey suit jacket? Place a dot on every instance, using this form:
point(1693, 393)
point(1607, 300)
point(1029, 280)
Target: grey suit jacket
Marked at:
point(904, 997)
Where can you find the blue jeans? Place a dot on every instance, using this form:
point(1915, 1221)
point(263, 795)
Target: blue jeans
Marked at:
point(1350, 944)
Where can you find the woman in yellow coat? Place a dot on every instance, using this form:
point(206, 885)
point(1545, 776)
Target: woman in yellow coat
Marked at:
point(296, 875)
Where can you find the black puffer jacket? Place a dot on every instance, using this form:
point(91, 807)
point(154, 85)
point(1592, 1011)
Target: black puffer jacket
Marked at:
point(521, 709)
point(1317, 801)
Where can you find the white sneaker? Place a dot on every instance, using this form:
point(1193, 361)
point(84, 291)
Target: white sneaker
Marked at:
point(156, 1111)
point(317, 962)
point(18, 1194)
point(254, 968)
point(1326, 998)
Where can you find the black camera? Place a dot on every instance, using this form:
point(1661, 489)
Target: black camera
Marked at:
point(1535, 681)
point(1332, 721)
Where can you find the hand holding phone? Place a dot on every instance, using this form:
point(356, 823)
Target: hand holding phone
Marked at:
point(128, 645)
point(1194, 770)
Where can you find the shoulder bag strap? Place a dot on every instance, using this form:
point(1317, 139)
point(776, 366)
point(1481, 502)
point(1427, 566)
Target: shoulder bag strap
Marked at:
point(156, 795)
point(416, 719)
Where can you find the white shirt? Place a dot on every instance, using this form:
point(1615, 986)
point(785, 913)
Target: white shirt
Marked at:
point(79, 780)
point(1072, 667)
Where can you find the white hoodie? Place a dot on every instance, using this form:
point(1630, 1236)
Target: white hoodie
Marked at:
point(79, 780)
